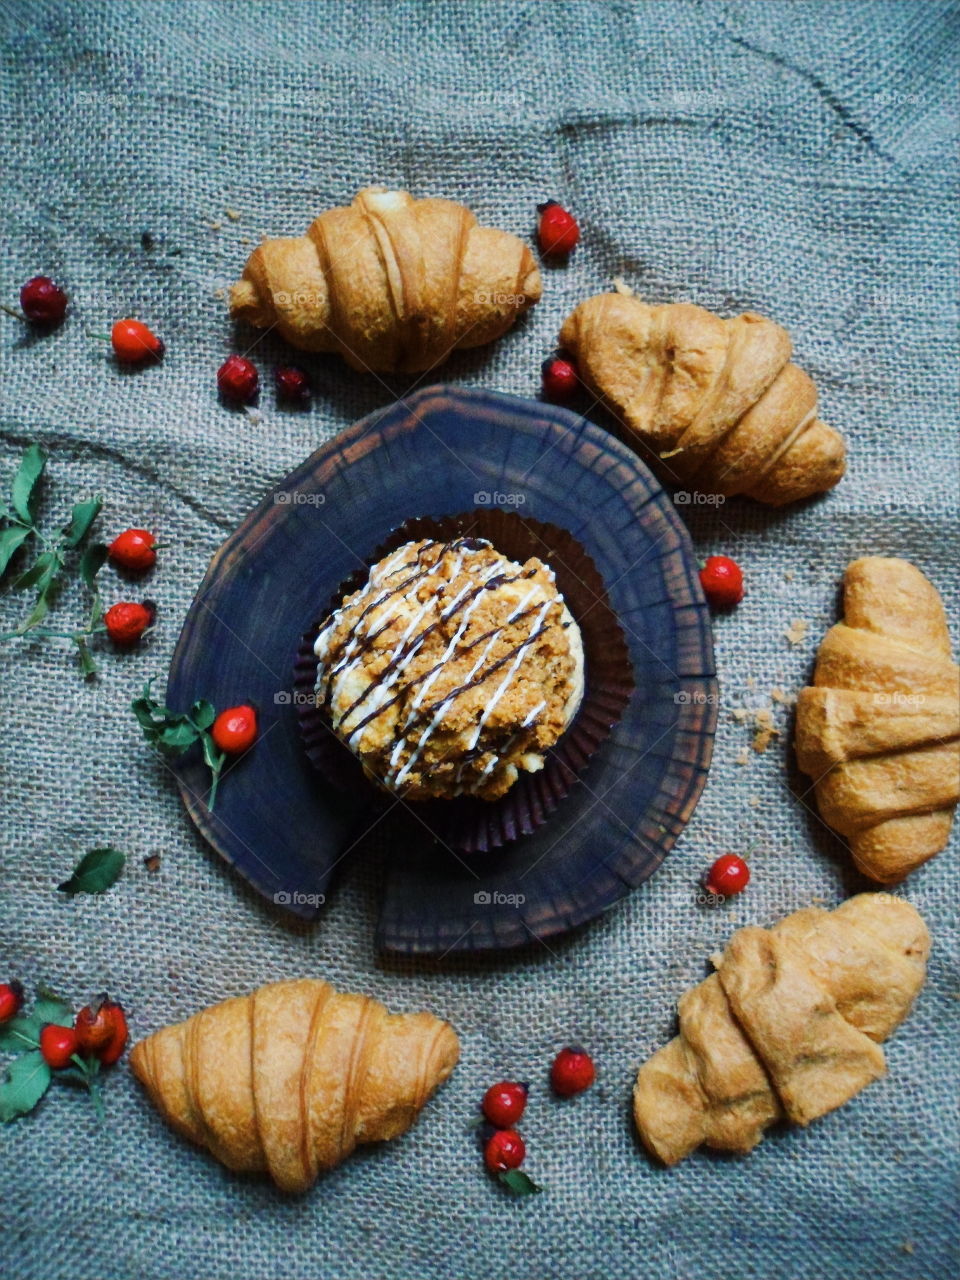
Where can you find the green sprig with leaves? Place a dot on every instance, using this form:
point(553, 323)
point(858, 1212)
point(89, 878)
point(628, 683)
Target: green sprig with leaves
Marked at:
point(174, 732)
point(52, 554)
point(27, 1077)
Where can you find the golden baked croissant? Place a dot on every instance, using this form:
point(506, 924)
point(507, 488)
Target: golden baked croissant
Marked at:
point(289, 1079)
point(391, 283)
point(787, 1028)
point(717, 402)
point(880, 730)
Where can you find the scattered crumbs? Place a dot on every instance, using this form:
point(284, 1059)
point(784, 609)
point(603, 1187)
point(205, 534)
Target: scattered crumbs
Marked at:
point(766, 730)
point(818, 902)
point(254, 415)
point(215, 226)
point(908, 1246)
point(245, 240)
point(754, 802)
point(751, 682)
point(740, 714)
point(797, 631)
point(152, 862)
point(743, 756)
point(789, 576)
point(621, 286)
point(785, 699)
point(219, 293)
point(670, 453)
point(232, 214)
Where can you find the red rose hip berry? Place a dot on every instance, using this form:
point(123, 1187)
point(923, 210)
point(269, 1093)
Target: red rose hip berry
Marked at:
point(293, 386)
point(504, 1103)
point(728, 875)
point(560, 379)
point(504, 1150)
point(127, 621)
point(235, 730)
point(119, 1034)
point(722, 582)
point(133, 342)
point(94, 1026)
point(11, 1000)
point(238, 380)
point(557, 230)
point(58, 1045)
point(43, 302)
point(134, 549)
point(572, 1071)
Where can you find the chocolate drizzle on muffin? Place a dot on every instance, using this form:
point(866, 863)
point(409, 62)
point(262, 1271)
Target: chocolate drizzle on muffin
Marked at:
point(451, 669)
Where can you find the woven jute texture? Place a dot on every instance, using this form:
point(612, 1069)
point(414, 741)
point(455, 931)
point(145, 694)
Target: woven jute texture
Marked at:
point(794, 159)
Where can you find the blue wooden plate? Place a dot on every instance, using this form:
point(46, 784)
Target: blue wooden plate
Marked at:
point(442, 451)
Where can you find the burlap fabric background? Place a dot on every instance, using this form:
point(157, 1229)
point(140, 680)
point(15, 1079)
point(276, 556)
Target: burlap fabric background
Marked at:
point(796, 159)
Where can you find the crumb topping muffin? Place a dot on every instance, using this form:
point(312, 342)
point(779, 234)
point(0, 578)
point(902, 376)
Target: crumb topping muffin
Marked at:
point(451, 670)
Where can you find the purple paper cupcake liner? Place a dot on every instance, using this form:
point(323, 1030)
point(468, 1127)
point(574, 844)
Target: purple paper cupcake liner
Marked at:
point(467, 823)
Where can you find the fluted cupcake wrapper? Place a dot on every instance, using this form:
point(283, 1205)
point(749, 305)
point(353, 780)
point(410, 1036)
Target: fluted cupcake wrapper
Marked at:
point(467, 823)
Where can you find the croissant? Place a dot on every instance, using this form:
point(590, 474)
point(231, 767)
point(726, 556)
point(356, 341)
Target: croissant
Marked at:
point(716, 402)
point(290, 1079)
point(879, 731)
point(787, 1028)
point(391, 283)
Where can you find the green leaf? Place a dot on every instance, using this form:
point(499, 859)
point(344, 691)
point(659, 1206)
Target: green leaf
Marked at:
point(39, 612)
point(50, 1008)
point(203, 713)
point(91, 562)
point(24, 493)
point(11, 540)
point(95, 872)
point(20, 1033)
point(25, 1081)
point(83, 516)
point(88, 666)
point(40, 572)
point(519, 1183)
point(176, 737)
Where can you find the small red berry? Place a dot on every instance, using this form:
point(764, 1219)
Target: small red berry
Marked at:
point(728, 875)
point(134, 549)
point(118, 1035)
point(94, 1026)
point(235, 729)
point(557, 230)
point(58, 1045)
point(504, 1103)
point(293, 385)
point(560, 379)
point(43, 302)
point(722, 582)
point(505, 1150)
point(238, 380)
point(11, 1000)
point(572, 1072)
point(127, 621)
point(133, 342)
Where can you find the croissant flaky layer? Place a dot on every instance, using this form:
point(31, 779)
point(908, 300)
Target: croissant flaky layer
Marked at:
point(716, 402)
point(288, 1080)
point(391, 283)
point(879, 729)
point(787, 1028)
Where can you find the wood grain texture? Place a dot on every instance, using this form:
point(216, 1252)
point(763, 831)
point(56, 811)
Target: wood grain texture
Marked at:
point(283, 828)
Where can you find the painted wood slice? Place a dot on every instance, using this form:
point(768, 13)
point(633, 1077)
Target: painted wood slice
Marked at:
point(440, 452)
